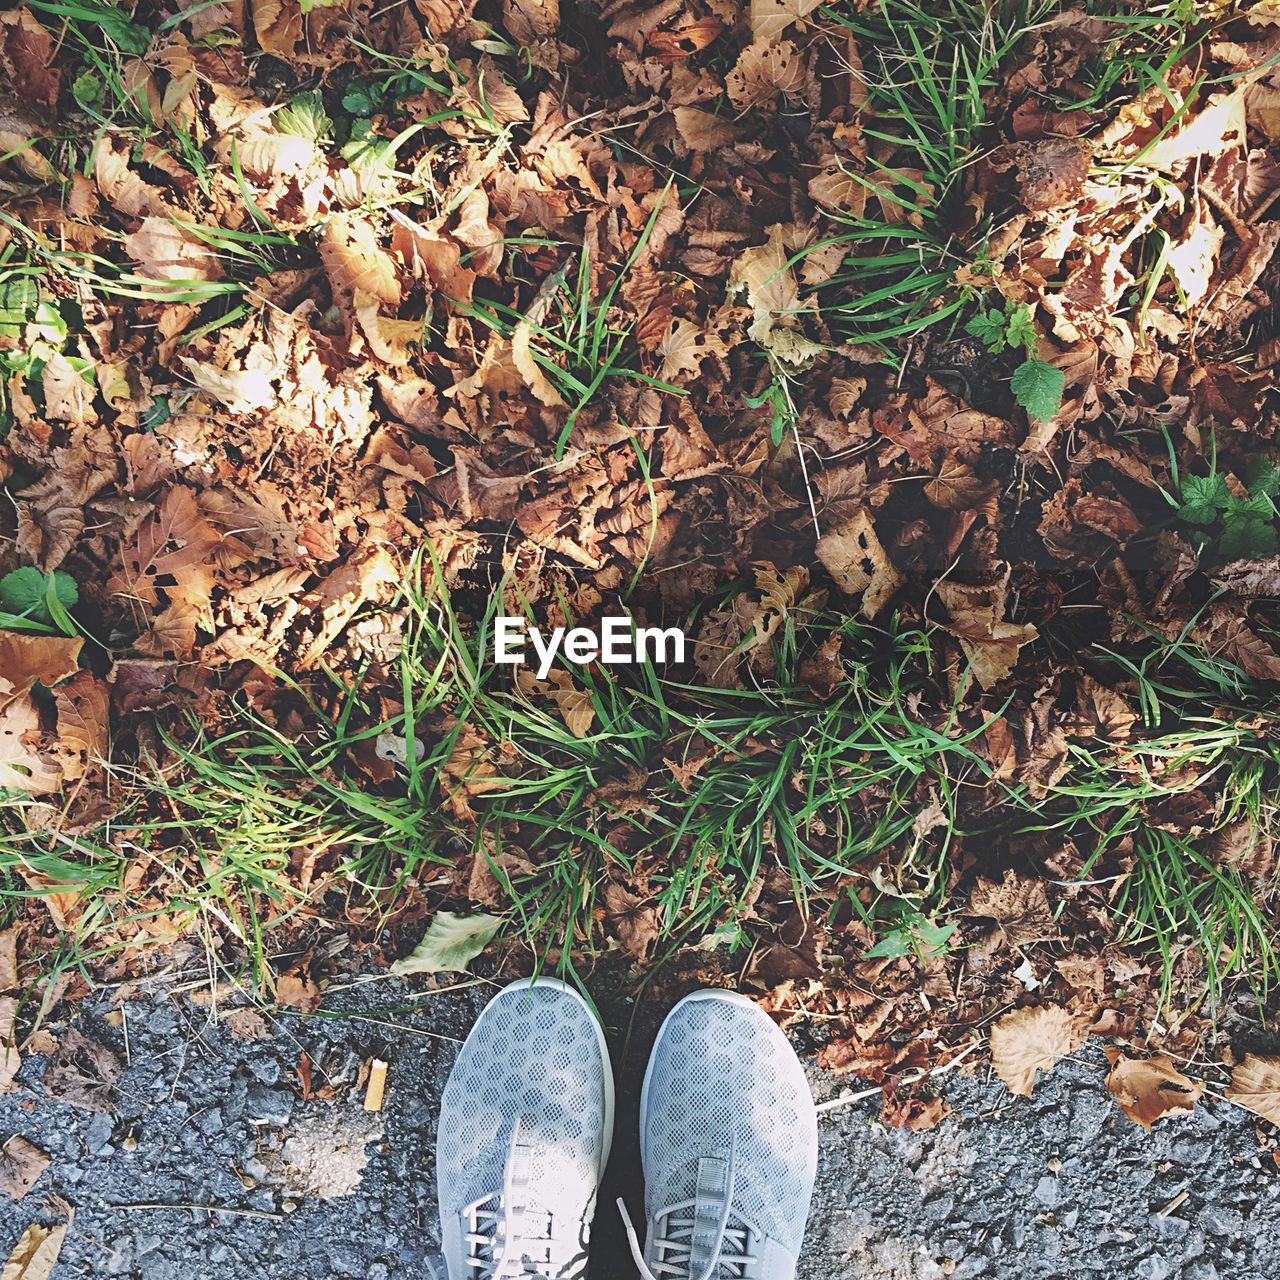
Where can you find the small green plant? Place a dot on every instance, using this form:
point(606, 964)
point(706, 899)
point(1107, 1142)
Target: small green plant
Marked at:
point(1036, 384)
point(778, 398)
point(1235, 526)
point(913, 934)
point(35, 601)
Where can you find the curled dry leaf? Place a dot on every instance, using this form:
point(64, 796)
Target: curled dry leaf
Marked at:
point(83, 1073)
point(240, 390)
point(1031, 1040)
point(523, 359)
point(278, 26)
point(451, 943)
point(1150, 1089)
point(1255, 1085)
point(976, 619)
point(636, 924)
point(10, 1059)
point(851, 553)
point(1019, 907)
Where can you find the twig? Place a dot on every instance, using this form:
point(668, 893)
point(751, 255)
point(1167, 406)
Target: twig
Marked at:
point(846, 1098)
point(204, 1208)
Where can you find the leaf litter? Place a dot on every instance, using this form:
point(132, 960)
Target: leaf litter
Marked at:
point(581, 304)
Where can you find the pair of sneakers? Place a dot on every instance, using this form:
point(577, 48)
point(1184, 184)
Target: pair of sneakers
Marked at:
point(728, 1142)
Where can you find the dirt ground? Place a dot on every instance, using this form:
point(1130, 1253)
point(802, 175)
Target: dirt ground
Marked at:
point(1055, 1186)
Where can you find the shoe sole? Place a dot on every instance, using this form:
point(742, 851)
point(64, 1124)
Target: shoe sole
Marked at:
point(554, 984)
point(795, 1073)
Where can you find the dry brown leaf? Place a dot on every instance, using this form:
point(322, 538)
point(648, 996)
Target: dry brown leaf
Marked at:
point(354, 261)
point(9, 960)
point(170, 552)
point(83, 1073)
point(839, 189)
point(763, 71)
point(10, 1059)
point(1255, 1085)
point(770, 18)
point(35, 1254)
point(26, 659)
point(1019, 907)
point(389, 339)
point(163, 251)
point(24, 765)
point(368, 575)
point(851, 553)
point(1150, 1089)
point(977, 620)
point(278, 26)
point(704, 130)
point(636, 924)
point(19, 133)
point(21, 1165)
point(241, 390)
point(531, 20)
point(28, 54)
point(83, 720)
point(1031, 1040)
point(67, 396)
point(522, 357)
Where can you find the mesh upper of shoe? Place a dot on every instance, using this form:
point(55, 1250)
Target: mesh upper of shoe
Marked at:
point(530, 1075)
point(725, 1091)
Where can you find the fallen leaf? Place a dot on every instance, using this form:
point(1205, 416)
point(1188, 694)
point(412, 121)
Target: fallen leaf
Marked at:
point(24, 764)
point(1255, 1084)
point(25, 659)
point(990, 643)
point(353, 261)
point(10, 1059)
point(298, 989)
point(240, 390)
point(770, 18)
point(9, 960)
point(451, 943)
point(1150, 1089)
point(1031, 1040)
point(1019, 907)
point(163, 251)
point(83, 1073)
point(636, 923)
point(21, 1164)
point(34, 1256)
point(851, 553)
point(764, 71)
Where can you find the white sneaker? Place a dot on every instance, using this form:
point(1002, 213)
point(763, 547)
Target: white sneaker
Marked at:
point(729, 1144)
point(526, 1123)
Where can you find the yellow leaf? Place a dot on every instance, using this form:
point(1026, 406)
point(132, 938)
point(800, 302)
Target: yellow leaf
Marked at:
point(35, 1253)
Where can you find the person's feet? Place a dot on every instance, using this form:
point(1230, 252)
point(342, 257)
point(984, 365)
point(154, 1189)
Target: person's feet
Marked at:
point(729, 1145)
point(525, 1127)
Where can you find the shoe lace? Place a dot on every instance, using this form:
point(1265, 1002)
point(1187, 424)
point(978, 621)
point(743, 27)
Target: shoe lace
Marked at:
point(675, 1227)
point(502, 1229)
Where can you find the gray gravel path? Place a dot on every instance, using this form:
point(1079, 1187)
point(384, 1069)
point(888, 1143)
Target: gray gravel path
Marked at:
point(1059, 1186)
